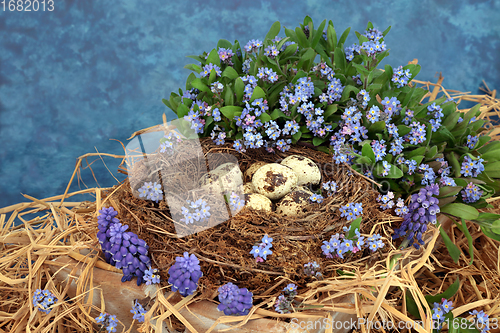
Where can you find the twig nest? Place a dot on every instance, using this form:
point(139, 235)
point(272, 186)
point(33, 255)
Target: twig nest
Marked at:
point(307, 171)
point(274, 180)
point(252, 169)
point(293, 203)
point(258, 202)
point(248, 188)
point(223, 179)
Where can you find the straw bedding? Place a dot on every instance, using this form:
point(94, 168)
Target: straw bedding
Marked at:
point(376, 284)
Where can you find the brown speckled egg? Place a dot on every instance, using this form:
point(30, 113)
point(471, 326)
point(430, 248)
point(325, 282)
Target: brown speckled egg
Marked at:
point(258, 202)
point(274, 180)
point(293, 203)
point(251, 170)
point(307, 171)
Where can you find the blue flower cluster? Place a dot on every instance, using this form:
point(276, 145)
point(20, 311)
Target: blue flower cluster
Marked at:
point(316, 198)
point(218, 134)
point(138, 312)
point(122, 248)
point(108, 321)
point(271, 51)
point(387, 202)
point(312, 269)
point(184, 274)
point(234, 301)
point(330, 187)
point(216, 88)
point(352, 125)
point(439, 310)
point(372, 47)
point(236, 203)
point(195, 211)
point(284, 302)
point(471, 193)
point(401, 76)
point(444, 171)
point(263, 249)
point(351, 210)
point(339, 245)
point(471, 141)
point(253, 45)
point(151, 276)
point(43, 300)
point(423, 208)
point(267, 75)
point(436, 112)
point(169, 142)
point(482, 320)
point(151, 191)
point(197, 111)
point(208, 68)
point(471, 168)
point(226, 55)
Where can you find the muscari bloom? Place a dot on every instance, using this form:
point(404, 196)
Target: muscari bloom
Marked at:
point(122, 248)
point(234, 301)
point(184, 274)
point(423, 208)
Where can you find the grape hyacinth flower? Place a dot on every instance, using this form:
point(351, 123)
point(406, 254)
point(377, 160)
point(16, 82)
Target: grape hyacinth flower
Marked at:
point(108, 321)
point(122, 248)
point(423, 208)
point(151, 276)
point(471, 193)
point(234, 301)
point(312, 269)
point(184, 274)
point(43, 300)
point(138, 312)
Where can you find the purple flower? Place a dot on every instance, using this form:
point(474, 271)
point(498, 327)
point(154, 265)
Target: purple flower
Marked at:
point(471, 193)
point(151, 276)
point(108, 321)
point(184, 274)
point(43, 300)
point(138, 312)
point(234, 301)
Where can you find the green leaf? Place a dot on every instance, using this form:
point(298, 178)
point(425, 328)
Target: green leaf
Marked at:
point(330, 109)
point(411, 305)
point(229, 96)
point(309, 54)
point(461, 210)
point(494, 145)
point(193, 67)
point(257, 93)
point(182, 111)
point(394, 171)
point(317, 141)
point(448, 191)
point(224, 43)
point(462, 325)
point(447, 294)
point(431, 153)
point(301, 37)
point(239, 86)
point(331, 38)
point(343, 37)
point(492, 169)
point(467, 234)
point(347, 93)
point(277, 113)
point(274, 31)
point(318, 34)
point(453, 250)
point(213, 58)
point(265, 117)
point(339, 58)
point(230, 110)
point(230, 73)
point(354, 226)
point(198, 84)
point(290, 49)
point(368, 152)
point(296, 137)
point(166, 102)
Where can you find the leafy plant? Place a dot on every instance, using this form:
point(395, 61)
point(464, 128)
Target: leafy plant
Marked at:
point(310, 87)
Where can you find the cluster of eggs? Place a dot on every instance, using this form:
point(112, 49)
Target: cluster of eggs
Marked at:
point(286, 183)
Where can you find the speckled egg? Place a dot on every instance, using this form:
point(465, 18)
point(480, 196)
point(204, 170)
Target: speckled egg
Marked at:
point(251, 170)
point(248, 188)
point(293, 203)
point(223, 179)
point(306, 170)
point(258, 202)
point(274, 180)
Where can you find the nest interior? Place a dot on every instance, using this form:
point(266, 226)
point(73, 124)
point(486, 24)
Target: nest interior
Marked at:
point(224, 249)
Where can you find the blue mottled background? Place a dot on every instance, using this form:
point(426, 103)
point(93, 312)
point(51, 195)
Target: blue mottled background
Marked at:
point(89, 71)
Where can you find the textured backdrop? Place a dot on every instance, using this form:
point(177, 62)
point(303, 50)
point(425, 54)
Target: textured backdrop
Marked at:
point(88, 71)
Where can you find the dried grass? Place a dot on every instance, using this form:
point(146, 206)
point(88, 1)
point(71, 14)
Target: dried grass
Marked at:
point(377, 290)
